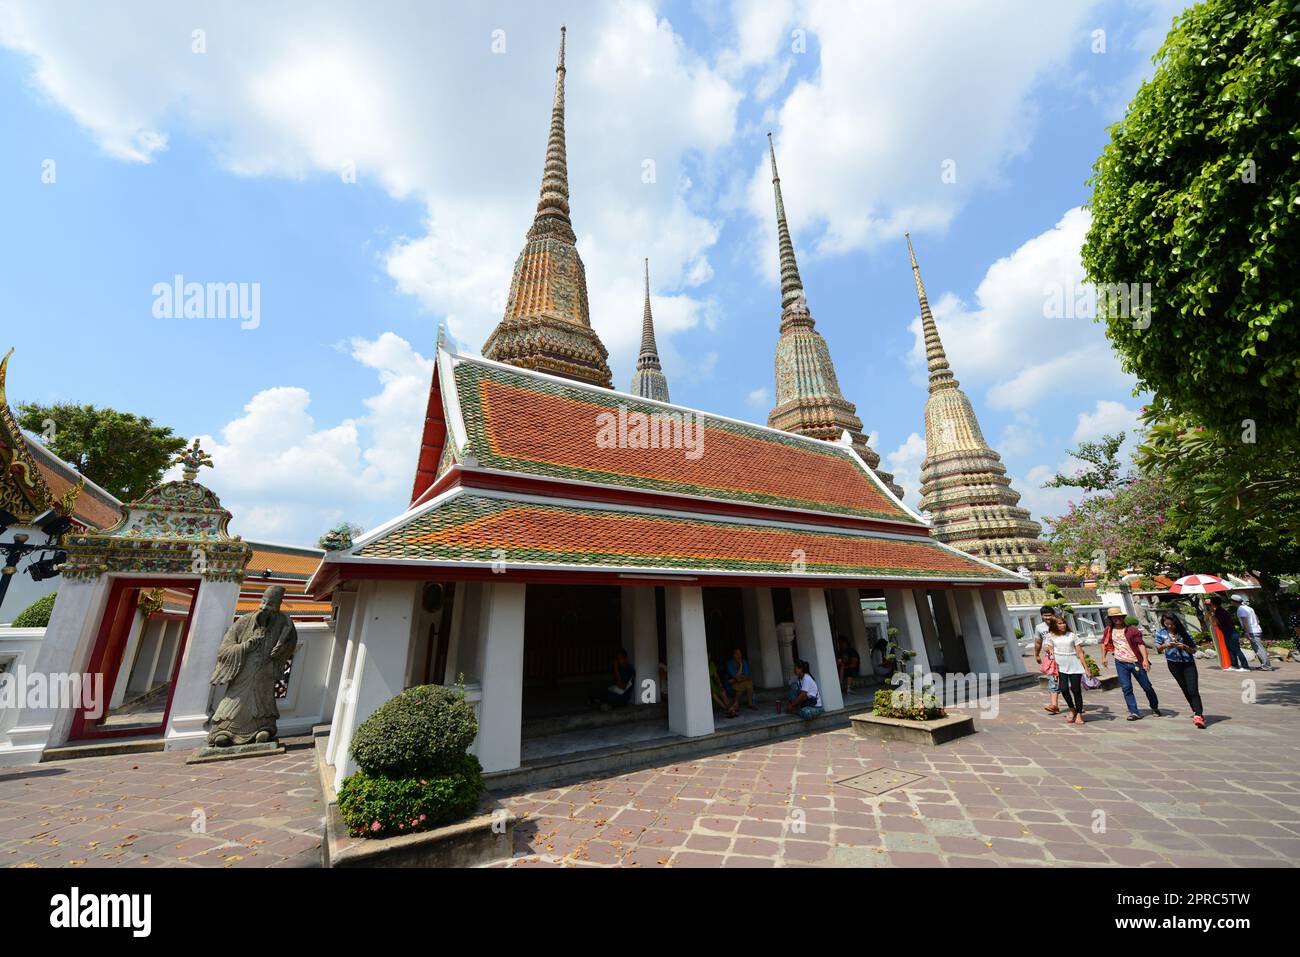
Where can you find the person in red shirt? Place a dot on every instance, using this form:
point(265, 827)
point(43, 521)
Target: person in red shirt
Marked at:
point(1125, 642)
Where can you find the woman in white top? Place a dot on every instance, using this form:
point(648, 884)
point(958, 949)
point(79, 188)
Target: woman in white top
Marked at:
point(804, 697)
point(1068, 651)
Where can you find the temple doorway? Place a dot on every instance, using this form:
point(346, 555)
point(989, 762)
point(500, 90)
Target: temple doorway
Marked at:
point(136, 656)
point(571, 635)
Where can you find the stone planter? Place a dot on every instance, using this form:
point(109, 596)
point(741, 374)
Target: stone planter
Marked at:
point(926, 733)
point(477, 840)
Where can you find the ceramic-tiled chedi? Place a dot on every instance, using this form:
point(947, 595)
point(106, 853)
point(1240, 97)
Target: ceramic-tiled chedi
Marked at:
point(808, 396)
point(964, 485)
point(547, 325)
point(649, 381)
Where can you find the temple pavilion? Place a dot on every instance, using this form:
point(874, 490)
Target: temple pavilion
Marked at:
point(553, 520)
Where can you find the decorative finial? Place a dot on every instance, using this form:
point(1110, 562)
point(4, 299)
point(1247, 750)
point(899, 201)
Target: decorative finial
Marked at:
point(791, 285)
point(941, 376)
point(553, 205)
point(191, 460)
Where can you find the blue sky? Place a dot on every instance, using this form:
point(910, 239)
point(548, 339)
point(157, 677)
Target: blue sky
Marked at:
point(230, 164)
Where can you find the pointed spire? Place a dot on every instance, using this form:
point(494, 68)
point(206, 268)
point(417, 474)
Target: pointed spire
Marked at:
point(649, 349)
point(791, 284)
point(553, 204)
point(941, 376)
point(649, 381)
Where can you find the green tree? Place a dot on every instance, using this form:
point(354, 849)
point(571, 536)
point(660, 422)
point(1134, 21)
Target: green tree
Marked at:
point(1105, 473)
point(1198, 194)
point(123, 453)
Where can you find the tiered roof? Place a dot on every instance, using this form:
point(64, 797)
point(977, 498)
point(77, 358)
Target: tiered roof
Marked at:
point(551, 479)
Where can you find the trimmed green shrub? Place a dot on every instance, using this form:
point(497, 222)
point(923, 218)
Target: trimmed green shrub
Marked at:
point(421, 732)
point(378, 806)
point(37, 614)
point(904, 703)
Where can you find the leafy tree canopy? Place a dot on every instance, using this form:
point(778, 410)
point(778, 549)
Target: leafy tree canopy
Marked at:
point(123, 453)
point(1198, 194)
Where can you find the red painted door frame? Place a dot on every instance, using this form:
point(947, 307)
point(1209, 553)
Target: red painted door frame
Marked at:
point(114, 629)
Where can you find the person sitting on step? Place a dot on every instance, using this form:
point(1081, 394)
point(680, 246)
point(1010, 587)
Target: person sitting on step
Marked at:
point(804, 697)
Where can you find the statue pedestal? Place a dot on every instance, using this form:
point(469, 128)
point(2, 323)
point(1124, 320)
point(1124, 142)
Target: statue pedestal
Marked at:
point(260, 749)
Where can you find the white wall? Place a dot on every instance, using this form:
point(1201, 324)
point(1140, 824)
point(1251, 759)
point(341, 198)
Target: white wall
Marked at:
point(18, 646)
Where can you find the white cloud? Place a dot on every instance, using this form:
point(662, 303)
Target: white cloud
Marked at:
point(417, 102)
point(860, 144)
point(283, 475)
point(1007, 342)
point(759, 398)
point(1107, 418)
point(905, 462)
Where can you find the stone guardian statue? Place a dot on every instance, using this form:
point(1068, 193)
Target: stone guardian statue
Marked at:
point(250, 658)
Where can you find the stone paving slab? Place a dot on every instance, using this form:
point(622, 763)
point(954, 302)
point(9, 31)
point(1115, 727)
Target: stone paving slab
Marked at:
point(138, 810)
point(1027, 790)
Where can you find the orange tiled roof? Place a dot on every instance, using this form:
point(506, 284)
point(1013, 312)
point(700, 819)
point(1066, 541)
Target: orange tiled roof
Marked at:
point(482, 527)
point(526, 423)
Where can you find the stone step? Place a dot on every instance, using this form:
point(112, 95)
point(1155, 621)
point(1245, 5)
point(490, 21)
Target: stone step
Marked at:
point(103, 748)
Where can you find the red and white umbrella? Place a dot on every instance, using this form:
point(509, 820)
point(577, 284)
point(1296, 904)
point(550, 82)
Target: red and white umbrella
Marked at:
point(1198, 585)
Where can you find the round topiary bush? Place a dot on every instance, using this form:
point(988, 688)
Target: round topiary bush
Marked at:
point(423, 731)
point(378, 806)
point(37, 614)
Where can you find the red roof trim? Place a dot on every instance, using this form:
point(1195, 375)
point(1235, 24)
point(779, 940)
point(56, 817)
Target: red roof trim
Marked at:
point(432, 440)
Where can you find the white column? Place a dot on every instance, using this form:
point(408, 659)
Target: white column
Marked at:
point(345, 697)
point(901, 605)
point(639, 600)
point(213, 614)
point(383, 648)
point(857, 629)
point(342, 650)
point(128, 661)
point(171, 638)
point(760, 635)
point(147, 660)
point(812, 629)
point(975, 632)
point(929, 628)
point(501, 713)
point(690, 705)
point(995, 610)
point(456, 629)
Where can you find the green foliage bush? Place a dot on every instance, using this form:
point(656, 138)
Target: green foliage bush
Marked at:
point(904, 703)
point(37, 614)
point(379, 806)
point(421, 732)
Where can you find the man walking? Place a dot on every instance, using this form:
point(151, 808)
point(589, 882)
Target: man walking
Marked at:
point(1131, 660)
point(1227, 623)
point(1251, 626)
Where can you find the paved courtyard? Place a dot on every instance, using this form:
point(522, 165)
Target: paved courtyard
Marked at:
point(154, 810)
point(1028, 789)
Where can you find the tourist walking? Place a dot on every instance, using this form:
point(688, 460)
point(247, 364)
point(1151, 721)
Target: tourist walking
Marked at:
point(1253, 630)
point(1053, 705)
point(1227, 623)
point(1125, 642)
point(1180, 654)
point(1064, 646)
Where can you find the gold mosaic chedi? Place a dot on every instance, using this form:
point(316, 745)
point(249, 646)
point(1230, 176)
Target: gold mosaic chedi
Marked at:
point(547, 325)
point(964, 485)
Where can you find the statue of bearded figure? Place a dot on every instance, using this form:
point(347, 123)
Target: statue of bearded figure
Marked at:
point(249, 660)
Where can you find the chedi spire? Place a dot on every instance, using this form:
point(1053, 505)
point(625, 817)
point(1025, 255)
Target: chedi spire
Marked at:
point(649, 381)
point(808, 396)
point(547, 325)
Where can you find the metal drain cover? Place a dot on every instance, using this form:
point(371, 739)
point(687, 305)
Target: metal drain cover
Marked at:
point(880, 780)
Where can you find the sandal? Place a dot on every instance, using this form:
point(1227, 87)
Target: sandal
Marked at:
point(1134, 717)
point(1050, 710)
